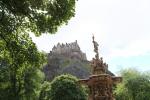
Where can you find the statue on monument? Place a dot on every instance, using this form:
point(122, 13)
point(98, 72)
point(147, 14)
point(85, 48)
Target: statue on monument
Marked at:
point(100, 83)
point(95, 48)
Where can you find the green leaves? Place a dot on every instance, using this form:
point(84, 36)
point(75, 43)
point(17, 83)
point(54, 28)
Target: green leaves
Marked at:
point(67, 87)
point(33, 79)
point(45, 91)
point(18, 53)
point(135, 86)
point(40, 16)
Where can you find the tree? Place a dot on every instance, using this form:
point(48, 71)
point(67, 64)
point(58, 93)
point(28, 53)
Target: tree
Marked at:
point(66, 87)
point(135, 86)
point(18, 53)
point(37, 16)
point(33, 80)
point(45, 91)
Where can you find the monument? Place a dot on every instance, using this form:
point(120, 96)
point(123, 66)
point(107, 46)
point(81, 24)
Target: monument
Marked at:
point(100, 83)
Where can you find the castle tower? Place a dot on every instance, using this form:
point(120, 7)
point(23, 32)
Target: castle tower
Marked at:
point(71, 50)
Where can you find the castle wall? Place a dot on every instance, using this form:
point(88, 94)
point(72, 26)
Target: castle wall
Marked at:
point(71, 50)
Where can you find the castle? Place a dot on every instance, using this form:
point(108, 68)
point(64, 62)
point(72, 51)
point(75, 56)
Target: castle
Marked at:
point(71, 50)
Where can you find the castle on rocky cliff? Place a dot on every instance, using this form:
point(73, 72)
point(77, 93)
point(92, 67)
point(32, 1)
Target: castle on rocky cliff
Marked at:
point(71, 50)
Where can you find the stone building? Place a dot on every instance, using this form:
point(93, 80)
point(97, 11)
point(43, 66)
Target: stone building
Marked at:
point(71, 50)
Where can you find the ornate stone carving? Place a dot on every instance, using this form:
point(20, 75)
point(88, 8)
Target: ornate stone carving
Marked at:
point(100, 83)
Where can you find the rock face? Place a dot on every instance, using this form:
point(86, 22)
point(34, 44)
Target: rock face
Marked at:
point(67, 58)
point(64, 65)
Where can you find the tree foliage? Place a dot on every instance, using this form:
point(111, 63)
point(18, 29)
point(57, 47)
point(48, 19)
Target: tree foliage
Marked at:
point(36, 16)
point(33, 80)
point(135, 86)
point(17, 55)
point(66, 87)
point(45, 91)
point(20, 60)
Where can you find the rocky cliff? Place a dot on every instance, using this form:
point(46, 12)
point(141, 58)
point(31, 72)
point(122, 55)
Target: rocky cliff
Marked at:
point(67, 58)
point(61, 65)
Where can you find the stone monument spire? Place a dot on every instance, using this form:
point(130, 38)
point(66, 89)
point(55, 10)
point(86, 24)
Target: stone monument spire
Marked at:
point(100, 83)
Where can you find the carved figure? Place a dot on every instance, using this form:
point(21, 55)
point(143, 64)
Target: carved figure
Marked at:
point(100, 83)
point(95, 48)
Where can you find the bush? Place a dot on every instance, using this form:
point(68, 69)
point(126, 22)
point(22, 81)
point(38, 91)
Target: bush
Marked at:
point(66, 87)
point(45, 91)
point(135, 86)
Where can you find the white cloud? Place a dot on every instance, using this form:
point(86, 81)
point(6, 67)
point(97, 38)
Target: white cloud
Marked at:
point(134, 48)
point(121, 27)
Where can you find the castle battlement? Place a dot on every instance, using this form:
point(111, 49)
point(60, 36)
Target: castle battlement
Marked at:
point(71, 50)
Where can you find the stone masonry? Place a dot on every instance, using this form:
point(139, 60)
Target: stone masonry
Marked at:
point(71, 50)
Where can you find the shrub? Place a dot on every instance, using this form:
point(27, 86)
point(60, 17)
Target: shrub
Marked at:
point(66, 87)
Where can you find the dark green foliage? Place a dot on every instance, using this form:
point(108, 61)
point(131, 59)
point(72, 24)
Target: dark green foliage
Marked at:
point(18, 54)
point(66, 87)
point(135, 86)
point(38, 16)
point(27, 85)
point(20, 60)
point(33, 79)
point(4, 80)
point(45, 91)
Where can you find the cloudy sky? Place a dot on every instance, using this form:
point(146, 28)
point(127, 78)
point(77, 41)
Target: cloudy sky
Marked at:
point(121, 27)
